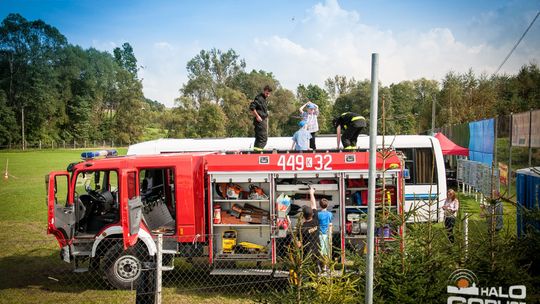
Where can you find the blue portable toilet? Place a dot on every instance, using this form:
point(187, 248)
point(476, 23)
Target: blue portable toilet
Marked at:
point(528, 198)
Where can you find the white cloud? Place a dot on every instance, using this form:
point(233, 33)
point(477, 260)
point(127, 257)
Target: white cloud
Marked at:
point(331, 40)
point(164, 69)
point(163, 45)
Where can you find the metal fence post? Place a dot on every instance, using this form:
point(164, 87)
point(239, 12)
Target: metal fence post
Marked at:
point(509, 181)
point(466, 233)
point(530, 137)
point(372, 175)
point(159, 268)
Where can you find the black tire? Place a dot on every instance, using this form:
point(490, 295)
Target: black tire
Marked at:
point(123, 268)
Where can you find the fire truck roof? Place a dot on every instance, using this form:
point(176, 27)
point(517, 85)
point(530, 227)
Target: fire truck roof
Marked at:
point(274, 143)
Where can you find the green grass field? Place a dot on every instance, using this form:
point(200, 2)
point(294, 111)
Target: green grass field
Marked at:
point(29, 259)
point(30, 267)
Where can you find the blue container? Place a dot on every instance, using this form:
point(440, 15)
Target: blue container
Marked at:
point(528, 198)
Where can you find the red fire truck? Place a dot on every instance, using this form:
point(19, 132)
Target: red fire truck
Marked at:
point(224, 207)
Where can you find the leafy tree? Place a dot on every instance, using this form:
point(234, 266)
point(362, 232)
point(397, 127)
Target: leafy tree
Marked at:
point(526, 88)
point(358, 100)
point(211, 120)
point(126, 58)
point(338, 85)
point(128, 122)
point(283, 113)
point(153, 105)
point(451, 98)
point(403, 102)
point(426, 92)
point(210, 70)
point(27, 69)
point(8, 127)
point(181, 122)
point(252, 83)
point(239, 120)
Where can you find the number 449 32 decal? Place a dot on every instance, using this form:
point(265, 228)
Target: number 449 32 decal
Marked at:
point(301, 162)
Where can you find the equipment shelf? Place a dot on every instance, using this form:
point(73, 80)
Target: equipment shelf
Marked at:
point(240, 201)
point(363, 236)
point(242, 225)
point(365, 207)
point(243, 257)
point(300, 188)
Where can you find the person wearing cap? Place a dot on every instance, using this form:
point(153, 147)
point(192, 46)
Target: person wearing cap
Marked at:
point(310, 116)
point(348, 126)
point(301, 138)
point(259, 109)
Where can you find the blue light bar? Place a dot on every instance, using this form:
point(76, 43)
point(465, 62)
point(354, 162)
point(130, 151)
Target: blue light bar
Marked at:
point(93, 154)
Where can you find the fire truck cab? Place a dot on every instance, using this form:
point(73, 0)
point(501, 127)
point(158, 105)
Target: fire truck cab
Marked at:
point(226, 207)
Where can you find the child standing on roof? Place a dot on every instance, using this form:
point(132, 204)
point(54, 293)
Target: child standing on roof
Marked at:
point(310, 117)
point(301, 138)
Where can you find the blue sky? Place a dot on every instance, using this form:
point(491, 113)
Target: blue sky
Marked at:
point(300, 41)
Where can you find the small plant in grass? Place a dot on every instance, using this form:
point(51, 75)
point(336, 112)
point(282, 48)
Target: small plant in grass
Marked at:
point(334, 285)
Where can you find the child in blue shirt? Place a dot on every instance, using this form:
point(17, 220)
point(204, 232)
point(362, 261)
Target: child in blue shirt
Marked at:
point(325, 221)
point(301, 138)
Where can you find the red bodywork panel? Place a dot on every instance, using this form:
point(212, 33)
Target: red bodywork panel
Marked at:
point(191, 177)
point(51, 227)
point(189, 185)
point(294, 162)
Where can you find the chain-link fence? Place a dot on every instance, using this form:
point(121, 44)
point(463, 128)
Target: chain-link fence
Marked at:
point(179, 271)
point(101, 270)
point(516, 145)
point(64, 144)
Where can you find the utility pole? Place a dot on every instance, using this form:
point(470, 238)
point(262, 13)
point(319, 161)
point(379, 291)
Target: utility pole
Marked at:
point(22, 129)
point(372, 175)
point(433, 103)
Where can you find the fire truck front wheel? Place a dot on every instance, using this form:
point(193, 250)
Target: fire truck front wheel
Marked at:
point(123, 268)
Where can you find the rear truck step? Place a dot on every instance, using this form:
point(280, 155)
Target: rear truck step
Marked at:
point(281, 274)
point(167, 263)
point(250, 272)
point(80, 270)
point(167, 268)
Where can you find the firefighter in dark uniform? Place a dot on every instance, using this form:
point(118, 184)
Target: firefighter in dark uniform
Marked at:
point(259, 109)
point(348, 126)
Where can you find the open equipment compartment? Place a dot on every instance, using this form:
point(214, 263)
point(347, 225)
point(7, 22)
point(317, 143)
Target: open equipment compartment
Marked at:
point(248, 235)
point(296, 187)
point(388, 208)
point(241, 212)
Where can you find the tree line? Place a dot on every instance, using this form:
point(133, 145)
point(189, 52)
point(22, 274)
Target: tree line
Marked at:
point(65, 92)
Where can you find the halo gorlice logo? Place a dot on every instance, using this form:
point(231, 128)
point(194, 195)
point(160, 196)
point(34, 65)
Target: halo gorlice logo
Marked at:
point(463, 281)
point(463, 288)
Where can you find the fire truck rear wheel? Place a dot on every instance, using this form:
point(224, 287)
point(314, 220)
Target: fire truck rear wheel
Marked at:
point(123, 268)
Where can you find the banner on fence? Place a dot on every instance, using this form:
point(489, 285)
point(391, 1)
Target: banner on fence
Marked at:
point(481, 141)
point(520, 129)
point(503, 173)
point(479, 176)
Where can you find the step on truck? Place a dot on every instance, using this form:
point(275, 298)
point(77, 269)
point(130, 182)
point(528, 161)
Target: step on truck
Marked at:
point(229, 209)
